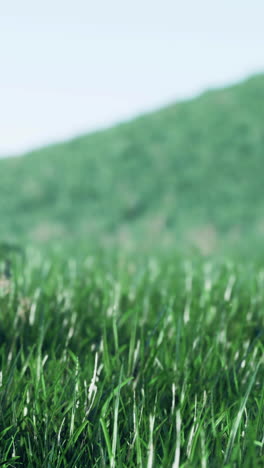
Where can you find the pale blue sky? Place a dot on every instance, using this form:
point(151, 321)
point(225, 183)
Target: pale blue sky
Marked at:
point(68, 67)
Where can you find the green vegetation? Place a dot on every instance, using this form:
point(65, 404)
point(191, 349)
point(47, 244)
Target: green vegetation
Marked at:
point(121, 346)
point(189, 172)
point(123, 363)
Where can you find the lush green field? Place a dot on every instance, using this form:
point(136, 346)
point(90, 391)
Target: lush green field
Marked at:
point(114, 350)
point(111, 361)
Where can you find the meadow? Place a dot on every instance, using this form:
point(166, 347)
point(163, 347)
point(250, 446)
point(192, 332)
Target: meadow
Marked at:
point(119, 361)
point(132, 292)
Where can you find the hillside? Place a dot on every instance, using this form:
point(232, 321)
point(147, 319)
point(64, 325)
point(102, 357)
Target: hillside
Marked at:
point(146, 355)
point(190, 172)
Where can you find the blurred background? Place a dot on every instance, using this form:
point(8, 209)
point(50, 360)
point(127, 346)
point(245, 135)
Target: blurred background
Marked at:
point(168, 100)
point(68, 67)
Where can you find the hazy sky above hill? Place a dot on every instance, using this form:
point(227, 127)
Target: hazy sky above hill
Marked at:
point(72, 66)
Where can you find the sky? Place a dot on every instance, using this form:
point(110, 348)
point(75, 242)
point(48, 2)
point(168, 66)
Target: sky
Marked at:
point(69, 67)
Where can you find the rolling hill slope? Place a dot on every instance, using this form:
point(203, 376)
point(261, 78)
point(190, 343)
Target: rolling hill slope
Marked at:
point(190, 172)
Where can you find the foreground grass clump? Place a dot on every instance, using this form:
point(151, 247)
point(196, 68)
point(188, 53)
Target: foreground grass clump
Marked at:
point(126, 363)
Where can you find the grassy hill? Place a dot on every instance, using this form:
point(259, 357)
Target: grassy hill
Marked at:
point(113, 358)
point(191, 172)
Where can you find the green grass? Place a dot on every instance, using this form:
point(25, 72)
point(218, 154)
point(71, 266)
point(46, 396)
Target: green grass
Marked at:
point(114, 350)
point(117, 361)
